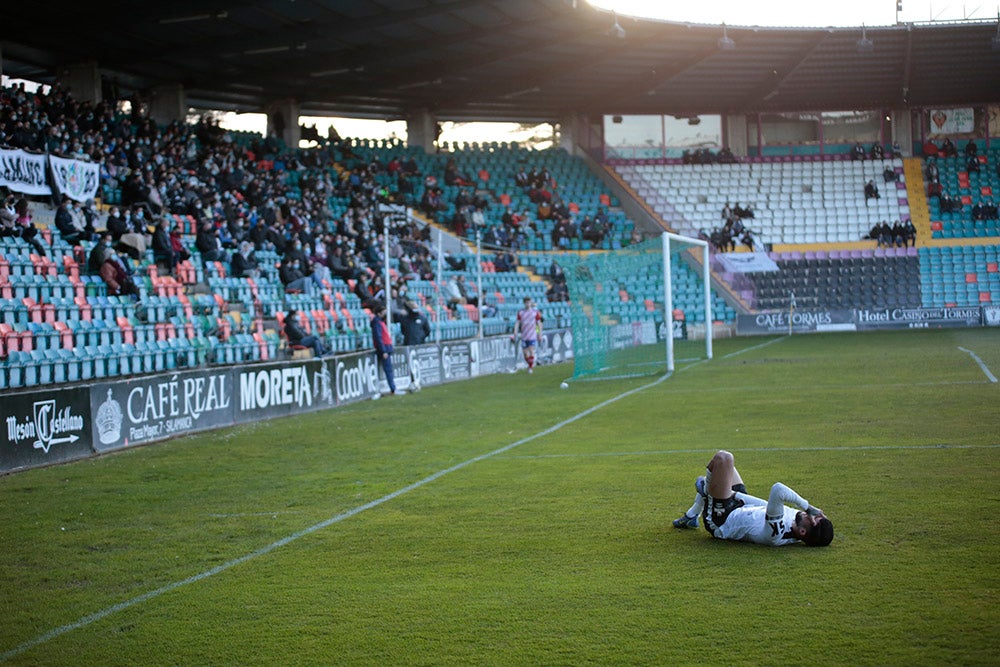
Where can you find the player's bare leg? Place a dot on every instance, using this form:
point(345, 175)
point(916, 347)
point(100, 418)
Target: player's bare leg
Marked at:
point(722, 475)
point(720, 481)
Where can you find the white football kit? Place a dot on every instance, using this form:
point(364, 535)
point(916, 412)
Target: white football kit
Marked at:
point(760, 521)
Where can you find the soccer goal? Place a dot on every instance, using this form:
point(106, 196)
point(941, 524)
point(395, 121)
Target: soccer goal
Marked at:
point(641, 309)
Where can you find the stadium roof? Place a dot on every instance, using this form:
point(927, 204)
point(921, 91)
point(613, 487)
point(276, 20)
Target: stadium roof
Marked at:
point(523, 60)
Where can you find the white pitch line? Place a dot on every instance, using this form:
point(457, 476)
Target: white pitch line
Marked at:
point(667, 452)
point(145, 597)
point(824, 387)
point(243, 514)
point(755, 347)
point(986, 371)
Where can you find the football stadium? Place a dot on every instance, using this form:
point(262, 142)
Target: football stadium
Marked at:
point(294, 396)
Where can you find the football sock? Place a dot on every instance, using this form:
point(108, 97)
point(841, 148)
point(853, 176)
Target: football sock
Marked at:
point(697, 507)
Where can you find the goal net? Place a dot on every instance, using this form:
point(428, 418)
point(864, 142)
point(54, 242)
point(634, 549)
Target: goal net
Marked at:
point(639, 310)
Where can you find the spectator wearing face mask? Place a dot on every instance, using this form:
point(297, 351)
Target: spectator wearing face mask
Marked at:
point(97, 254)
point(209, 245)
point(292, 277)
point(66, 223)
point(163, 249)
point(244, 263)
point(115, 224)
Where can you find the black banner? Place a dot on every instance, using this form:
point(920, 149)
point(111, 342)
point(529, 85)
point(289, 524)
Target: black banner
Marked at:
point(400, 371)
point(45, 427)
point(456, 360)
point(425, 364)
point(276, 390)
point(798, 321)
point(555, 346)
point(73, 422)
point(497, 354)
point(143, 409)
point(679, 329)
point(356, 377)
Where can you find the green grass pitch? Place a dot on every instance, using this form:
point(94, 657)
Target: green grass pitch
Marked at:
point(503, 521)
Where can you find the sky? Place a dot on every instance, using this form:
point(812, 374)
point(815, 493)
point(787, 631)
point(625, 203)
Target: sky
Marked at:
point(799, 13)
point(377, 129)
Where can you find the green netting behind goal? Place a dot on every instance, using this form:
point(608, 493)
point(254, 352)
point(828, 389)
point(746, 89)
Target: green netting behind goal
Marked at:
point(619, 306)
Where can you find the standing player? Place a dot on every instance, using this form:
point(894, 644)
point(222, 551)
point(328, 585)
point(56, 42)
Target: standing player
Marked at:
point(730, 513)
point(382, 340)
point(528, 327)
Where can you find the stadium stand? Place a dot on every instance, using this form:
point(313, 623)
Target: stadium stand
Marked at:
point(969, 190)
point(60, 324)
point(794, 201)
point(960, 275)
point(850, 279)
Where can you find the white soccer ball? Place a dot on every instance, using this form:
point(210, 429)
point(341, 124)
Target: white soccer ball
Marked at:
point(375, 397)
point(564, 385)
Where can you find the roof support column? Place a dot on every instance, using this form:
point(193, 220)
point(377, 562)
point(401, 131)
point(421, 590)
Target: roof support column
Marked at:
point(168, 103)
point(573, 131)
point(421, 130)
point(283, 121)
point(902, 131)
point(83, 80)
point(735, 128)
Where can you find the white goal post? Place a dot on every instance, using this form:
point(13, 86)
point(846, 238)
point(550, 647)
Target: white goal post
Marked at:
point(668, 293)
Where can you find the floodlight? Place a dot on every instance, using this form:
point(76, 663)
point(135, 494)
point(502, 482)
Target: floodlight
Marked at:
point(865, 45)
point(725, 42)
point(616, 29)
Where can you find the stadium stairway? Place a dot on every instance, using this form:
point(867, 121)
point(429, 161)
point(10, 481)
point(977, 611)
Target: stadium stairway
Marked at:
point(919, 212)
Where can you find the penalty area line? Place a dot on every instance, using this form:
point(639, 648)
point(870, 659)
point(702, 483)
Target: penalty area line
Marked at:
point(750, 450)
point(239, 515)
point(982, 366)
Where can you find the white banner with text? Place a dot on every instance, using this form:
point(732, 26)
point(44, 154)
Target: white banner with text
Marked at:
point(23, 172)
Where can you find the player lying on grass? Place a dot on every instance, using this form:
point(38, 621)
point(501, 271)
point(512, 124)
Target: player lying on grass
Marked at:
point(730, 513)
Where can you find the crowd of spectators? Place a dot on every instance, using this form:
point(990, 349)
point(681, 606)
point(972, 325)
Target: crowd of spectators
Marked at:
point(732, 230)
point(900, 235)
point(876, 152)
point(984, 208)
point(517, 227)
point(238, 193)
point(706, 156)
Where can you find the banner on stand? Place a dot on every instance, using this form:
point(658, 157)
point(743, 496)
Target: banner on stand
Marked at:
point(45, 427)
point(76, 179)
point(23, 172)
